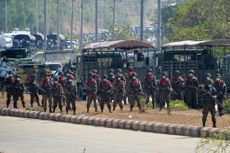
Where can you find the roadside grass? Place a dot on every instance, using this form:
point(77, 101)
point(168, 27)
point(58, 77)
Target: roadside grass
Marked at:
point(178, 105)
point(219, 143)
point(226, 106)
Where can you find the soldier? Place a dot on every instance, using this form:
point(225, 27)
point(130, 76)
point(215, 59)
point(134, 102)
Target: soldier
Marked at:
point(18, 91)
point(118, 92)
point(57, 93)
point(105, 91)
point(71, 95)
point(165, 89)
point(9, 92)
point(47, 88)
point(135, 92)
point(207, 95)
point(191, 85)
point(150, 87)
point(62, 81)
point(33, 88)
point(111, 76)
point(220, 86)
point(121, 74)
point(91, 91)
point(178, 85)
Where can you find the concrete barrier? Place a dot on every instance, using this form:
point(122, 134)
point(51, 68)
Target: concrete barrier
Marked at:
point(173, 129)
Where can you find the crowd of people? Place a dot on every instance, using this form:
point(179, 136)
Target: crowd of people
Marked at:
point(118, 88)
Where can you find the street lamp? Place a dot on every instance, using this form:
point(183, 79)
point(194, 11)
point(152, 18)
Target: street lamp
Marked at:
point(96, 21)
point(6, 19)
point(45, 25)
point(114, 5)
point(71, 29)
point(58, 24)
point(142, 21)
point(36, 1)
point(159, 24)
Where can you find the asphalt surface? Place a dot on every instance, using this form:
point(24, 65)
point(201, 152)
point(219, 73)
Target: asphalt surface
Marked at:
point(20, 135)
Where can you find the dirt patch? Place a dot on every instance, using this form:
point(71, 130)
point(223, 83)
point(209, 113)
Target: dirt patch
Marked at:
point(188, 117)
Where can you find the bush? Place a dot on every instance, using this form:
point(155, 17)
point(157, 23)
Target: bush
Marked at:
point(178, 105)
point(226, 106)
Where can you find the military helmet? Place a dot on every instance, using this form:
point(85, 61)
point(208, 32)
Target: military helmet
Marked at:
point(119, 70)
point(104, 76)
point(94, 71)
point(164, 74)
point(111, 70)
point(149, 70)
point(130, 68)
point(177, 72)
point(218, 75)
point(209, 75)
point(191, 71)
point(60, 73)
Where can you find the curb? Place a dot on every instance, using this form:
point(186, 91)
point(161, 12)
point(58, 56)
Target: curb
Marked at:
point(155, 127)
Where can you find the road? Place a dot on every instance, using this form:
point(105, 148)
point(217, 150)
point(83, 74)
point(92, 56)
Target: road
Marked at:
point(20, 135)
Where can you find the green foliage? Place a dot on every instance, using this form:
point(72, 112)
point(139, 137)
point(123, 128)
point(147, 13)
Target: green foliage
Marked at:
point(227, 106)
point(178, 105)
point(199, 20)
point(219, 143)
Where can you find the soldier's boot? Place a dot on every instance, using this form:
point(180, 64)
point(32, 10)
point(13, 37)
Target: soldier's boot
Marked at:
point(204, 123)
point(214, 122)
point(153, 105)
point(23, 104)
point(109, 107)
point(102, 107)
point(114, 106)
point(95, 107)
point(121, 106)
point(15, 105)
point(50, 109)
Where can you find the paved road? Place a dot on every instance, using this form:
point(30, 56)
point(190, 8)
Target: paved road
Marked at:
point(19, 135)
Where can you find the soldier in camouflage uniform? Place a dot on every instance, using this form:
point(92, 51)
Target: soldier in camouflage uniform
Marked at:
point(191, 85)
point(33, 88)
point(71, 95)
point(178, 85)
point(135, 92)
point(91, 91)
point(118, 92)
point(111, 76)
point(220, 86)
point(62, 81)
point(165, 90)
point(18, 91)
point(123, 78)
point(47, 93)
point(57, 93)
point(207, 96)
point(150, 87)
point(9, 92)
point(105, 92)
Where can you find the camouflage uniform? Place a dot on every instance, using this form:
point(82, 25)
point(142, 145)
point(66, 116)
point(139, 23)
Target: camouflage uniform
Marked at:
point(18, 92)
point(118, 92)
point(220, 86)
point(105, 92)
point(165, 89)
point(206, 94)
point(191, 85)
point(150, 87)
point(178, 85)
point(135, 92)
point(62, 81)
point(57, 93)
point(123, 78)
point(47, 89)
point(9, 92)
point(33, 88)
point(71, 95)
point(129, 77)
point(91, 92)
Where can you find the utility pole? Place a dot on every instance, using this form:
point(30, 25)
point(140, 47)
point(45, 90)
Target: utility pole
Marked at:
point(36, 1)
point(142, 21)
point(45, 26)
point(159, 25)
point(96, 21)
point(71, 29)
point(6, 18)
point(114, 5)
point(81, 26)
point(58, 24)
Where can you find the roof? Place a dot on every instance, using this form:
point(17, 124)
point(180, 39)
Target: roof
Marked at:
point(120, 44)
point(185, 43)
point(216, 42)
